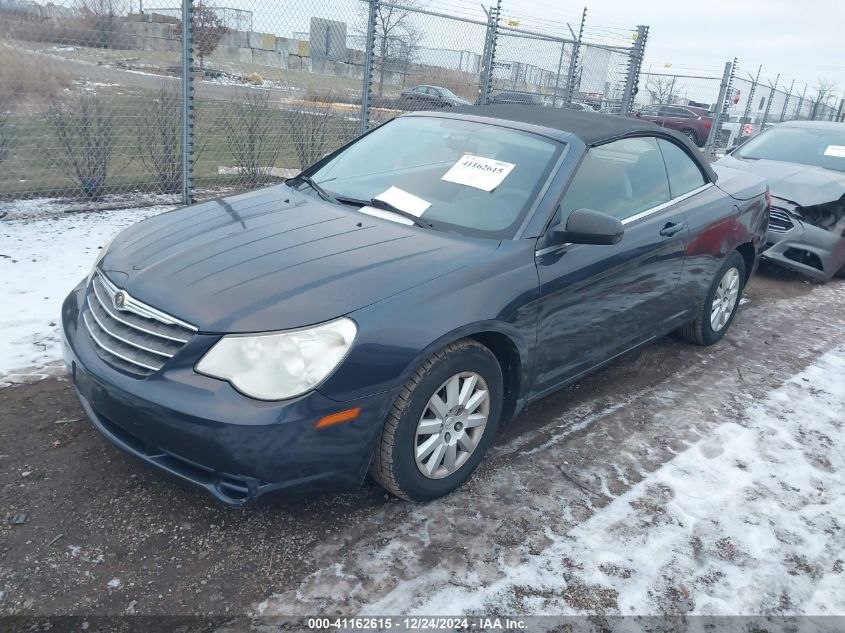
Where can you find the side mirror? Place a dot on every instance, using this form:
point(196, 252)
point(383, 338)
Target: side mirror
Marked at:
point(585, 226)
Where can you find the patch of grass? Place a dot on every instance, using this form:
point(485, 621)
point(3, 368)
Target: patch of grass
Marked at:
point(24, 78)
point(31, 169)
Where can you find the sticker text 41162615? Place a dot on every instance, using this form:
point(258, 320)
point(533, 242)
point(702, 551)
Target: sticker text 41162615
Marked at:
point(479, 172)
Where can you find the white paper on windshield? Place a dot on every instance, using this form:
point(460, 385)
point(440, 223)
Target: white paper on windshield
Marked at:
point(835, 150)
point(408, 202)
point(479, 172)
point(386, 215)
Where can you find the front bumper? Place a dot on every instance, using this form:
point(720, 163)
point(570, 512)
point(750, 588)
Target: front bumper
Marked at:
point(202, 431)
point(807, 249)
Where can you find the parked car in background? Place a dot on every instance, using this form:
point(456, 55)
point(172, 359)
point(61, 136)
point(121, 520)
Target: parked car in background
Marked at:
point(385, 310)
point(611, 109)
point(692, 122)
point(804, 164)
point(429, 98)
point(508, 96)
point(583, 107)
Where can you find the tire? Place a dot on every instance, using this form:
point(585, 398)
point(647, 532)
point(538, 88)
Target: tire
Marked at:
point(395, 465)
point(691, 135)
point(701, 331)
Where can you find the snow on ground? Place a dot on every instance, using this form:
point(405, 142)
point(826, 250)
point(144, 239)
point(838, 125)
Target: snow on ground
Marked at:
point(750, 520)
point(41, 260)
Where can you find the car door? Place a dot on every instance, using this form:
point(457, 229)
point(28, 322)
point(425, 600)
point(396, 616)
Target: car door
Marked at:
point(419, 97)
point(677, 118)
point(649, 113)
point(597, 301)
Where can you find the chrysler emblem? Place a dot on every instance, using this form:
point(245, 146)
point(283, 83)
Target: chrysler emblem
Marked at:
point(119, 300)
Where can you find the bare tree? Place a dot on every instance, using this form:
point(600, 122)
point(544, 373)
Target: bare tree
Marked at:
point(85, 129)
point(159, 138)
point(314, 131)
point(5, 131)
point(207, 30)
point(102, 18)
point(397, 39)
point(252, 129)
point(825, 88)
point(660, 88)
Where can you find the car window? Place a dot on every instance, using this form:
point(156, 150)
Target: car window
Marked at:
point(415, 154)
point(649, 112)
point(682, 113)
point(621, 179)
point(807, 146)
point(684, 174)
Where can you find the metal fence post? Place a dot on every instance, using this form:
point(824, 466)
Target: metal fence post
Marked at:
point(801, 103)
point(746, 114)
point(724, 105)
point(815, 109)
point(786, 101)
point(635, 62)
point(573, 62)
point(839, 111)
point(557, 77)
point(187, 123)
point(367, 87)
point(769, 103)
point(488, 63)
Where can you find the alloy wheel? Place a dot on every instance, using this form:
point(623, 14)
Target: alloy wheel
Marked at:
point(725, 299)
point(452, 425)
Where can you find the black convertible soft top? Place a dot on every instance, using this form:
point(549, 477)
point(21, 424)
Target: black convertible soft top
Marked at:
point(591, 127)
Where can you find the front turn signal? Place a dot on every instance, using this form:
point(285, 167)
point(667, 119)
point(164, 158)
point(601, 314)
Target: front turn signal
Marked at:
point(337, 418)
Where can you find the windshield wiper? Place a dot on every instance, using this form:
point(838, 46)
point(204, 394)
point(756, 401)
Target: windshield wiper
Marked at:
point(386, 206)
point(325, 195)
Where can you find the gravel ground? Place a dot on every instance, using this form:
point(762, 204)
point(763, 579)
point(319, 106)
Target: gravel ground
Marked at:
point(97, 533)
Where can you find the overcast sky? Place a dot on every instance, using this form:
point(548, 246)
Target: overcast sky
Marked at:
point(801, 39)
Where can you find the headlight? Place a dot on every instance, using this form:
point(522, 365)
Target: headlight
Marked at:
point(279, 365)
point(100, 256)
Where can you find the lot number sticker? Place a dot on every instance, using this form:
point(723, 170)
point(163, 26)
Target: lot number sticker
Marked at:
point(479, 172)
point(835, 150)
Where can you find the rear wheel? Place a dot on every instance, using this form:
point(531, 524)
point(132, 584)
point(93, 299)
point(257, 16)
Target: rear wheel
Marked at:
point(720, 305)
point(691, 135)
point(441, 423)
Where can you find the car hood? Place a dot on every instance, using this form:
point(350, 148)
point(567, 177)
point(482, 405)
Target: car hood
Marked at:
point(276, 259)
point(804, 185)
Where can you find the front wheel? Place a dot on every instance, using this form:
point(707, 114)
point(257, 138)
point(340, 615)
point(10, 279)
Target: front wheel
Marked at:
point(441, 423)
point(720, 305)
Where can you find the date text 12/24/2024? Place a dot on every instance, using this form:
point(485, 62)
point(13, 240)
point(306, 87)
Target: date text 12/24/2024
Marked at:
point(417, 623)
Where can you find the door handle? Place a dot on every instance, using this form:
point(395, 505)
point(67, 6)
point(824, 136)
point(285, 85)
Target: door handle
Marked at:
point(671, 228)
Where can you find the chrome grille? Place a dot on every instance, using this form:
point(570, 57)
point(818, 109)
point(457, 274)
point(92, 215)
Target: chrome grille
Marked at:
point(779, 220)
point(128, 334)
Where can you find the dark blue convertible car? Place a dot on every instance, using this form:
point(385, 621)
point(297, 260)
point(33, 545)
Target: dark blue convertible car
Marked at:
point(385, 311)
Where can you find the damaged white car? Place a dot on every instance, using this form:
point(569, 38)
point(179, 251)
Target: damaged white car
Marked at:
point(804, 164)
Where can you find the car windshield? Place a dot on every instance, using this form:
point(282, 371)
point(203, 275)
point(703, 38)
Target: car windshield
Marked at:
point(807, 146)
point(474, 178)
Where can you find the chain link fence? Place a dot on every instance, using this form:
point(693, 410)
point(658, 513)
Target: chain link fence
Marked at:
point(98, 98)
point(747, 104)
